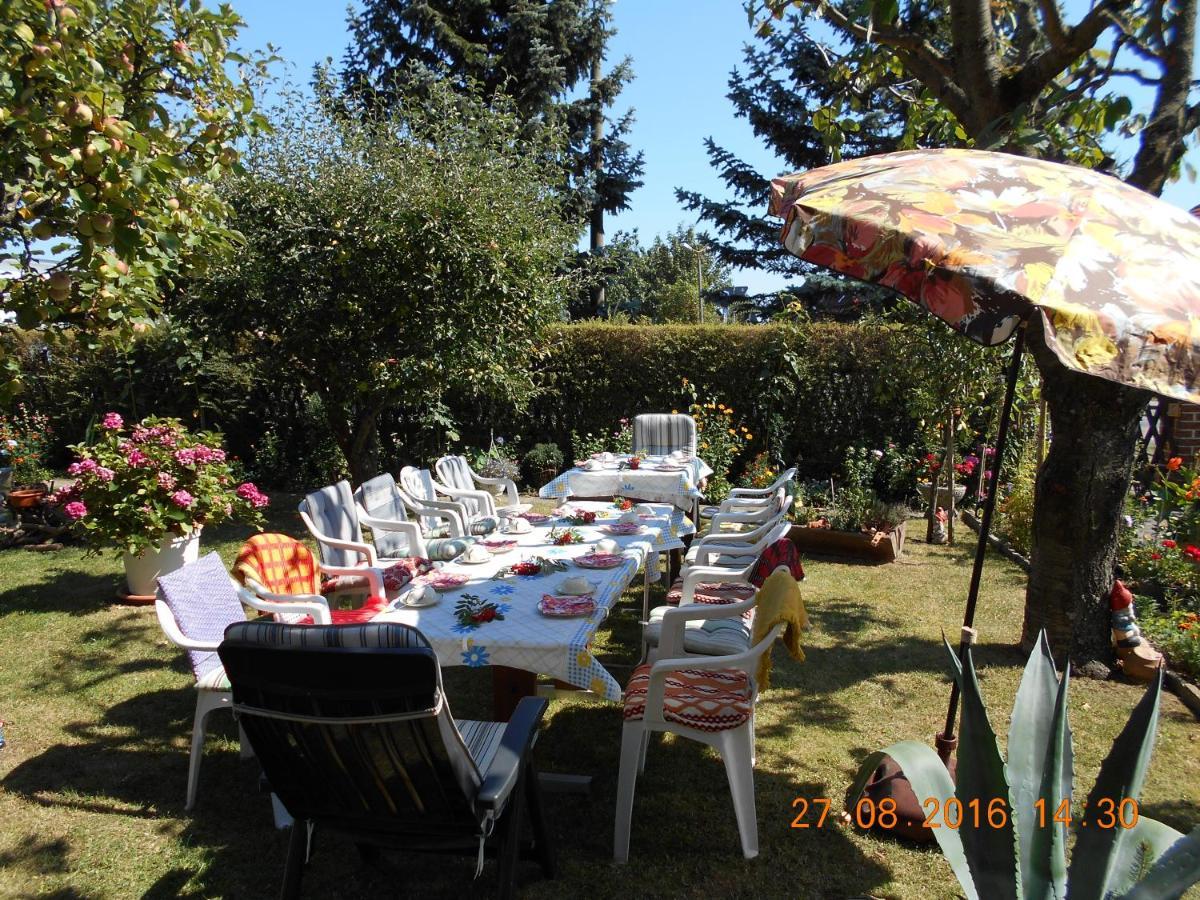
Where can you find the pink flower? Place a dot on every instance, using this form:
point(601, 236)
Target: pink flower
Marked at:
point(136, 458)
point(82, 467)
point(249, 492)
point(166, 481)
point(75, 509)
point(112, 421)
point(104, 474)
point(183, 499)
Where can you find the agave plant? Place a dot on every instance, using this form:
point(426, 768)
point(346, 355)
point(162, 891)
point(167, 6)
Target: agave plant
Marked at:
point(1020, 849)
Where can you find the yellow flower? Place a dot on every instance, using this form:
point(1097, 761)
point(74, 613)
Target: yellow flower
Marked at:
point(685, 381)
point(721, 406)
point(674, 412)
point(750, 437)
point(733, 432)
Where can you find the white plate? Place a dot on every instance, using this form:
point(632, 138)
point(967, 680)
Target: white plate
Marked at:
point(432, 598)
point(462, 560)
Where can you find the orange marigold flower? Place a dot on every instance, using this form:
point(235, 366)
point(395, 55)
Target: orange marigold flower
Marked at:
point(1174, 463)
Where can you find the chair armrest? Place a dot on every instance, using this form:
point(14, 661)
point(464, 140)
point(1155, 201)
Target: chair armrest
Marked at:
point(737, 518)
point(516, 742)
point(512, 497)
point(670, 634)
point(487, 504)
point(751, 492)
point(697, 574)
point(373, 574)
point(412, 530)
point(174, 634)
point(287, 604)
point(454, 513)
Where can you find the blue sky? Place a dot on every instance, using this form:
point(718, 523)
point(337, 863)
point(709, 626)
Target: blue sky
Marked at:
point(682, 50)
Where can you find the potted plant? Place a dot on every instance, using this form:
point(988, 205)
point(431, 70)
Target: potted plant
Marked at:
point(148, 491)
point(543, 462)
point(24, 439)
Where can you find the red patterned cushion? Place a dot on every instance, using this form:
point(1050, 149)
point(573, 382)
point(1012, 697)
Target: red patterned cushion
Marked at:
point(781, 553)
point(365, 613)
point(716, 592)
point(707, 700)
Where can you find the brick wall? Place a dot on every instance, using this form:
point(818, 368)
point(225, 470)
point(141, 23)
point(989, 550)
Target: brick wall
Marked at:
point(1185, 433)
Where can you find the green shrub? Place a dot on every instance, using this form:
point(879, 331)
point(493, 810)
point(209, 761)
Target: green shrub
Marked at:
point(541, 457)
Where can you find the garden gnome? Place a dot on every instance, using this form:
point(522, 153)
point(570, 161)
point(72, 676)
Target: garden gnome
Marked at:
point(1138, 659)
point(939, 526)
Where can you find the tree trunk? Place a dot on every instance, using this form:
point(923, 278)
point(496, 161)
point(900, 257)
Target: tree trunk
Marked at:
point(596, 168)
point(1081, 492)
point(354, 431)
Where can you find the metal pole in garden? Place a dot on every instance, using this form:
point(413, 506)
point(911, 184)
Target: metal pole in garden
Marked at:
point(946, 741)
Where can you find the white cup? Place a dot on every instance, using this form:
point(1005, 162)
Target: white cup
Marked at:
point(415, 595)
point(607, 545)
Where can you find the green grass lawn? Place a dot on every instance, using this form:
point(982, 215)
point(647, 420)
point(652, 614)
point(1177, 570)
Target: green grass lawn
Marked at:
point(99, 708)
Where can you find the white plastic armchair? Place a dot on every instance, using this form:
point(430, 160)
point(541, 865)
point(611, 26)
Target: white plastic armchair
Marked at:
point(286, 608)
point(735, 744)
point(785, 478)
point(331, 517)
point(417, 491)
point(379, 505)
point(458, 479)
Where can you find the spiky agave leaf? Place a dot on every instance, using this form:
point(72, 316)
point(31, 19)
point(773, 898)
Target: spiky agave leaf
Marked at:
point(990, 848)
point(1040, 767)
point(1175, 870)
point(927, 774)
point(1097, 853)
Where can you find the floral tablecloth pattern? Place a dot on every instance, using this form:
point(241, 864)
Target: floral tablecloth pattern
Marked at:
point(647, 483)
point(524, 638)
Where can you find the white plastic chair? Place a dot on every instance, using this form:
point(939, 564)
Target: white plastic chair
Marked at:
point(459, 481)
point(661, 434)
point(331, 517)
point(735, 744)
point(217, 600)
point(417, 491)
point(750, 499)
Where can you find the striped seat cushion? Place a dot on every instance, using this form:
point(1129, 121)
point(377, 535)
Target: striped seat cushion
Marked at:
point(662, 433)
point(445, 549)
point(482, 740)
point(213, 679)
point(715, 700)
point(719, 592)
point(712, 637)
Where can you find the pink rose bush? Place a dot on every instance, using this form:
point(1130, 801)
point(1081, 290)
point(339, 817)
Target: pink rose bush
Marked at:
point(136, 486)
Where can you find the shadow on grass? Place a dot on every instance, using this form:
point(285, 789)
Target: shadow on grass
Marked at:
point(71, 591)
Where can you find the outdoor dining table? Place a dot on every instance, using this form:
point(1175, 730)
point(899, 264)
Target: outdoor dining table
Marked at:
point(659, 479)
point(526, 643)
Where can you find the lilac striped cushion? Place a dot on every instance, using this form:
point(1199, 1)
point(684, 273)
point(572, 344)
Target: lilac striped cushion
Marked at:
point(204, 602)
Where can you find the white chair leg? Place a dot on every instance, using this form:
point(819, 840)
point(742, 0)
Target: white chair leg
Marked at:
point(206, 702)
point(632, 734)
point(736, 753)
point(646, 735)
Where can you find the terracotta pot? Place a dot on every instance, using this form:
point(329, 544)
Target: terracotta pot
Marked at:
point(143, 569)
point(25, 498)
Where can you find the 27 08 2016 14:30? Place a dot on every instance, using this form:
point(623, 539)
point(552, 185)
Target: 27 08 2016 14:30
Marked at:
point(953, 813)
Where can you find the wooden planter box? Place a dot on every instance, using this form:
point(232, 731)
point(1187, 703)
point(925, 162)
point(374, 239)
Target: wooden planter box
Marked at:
point(827, 542)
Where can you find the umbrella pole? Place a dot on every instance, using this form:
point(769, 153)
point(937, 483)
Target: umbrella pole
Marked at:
point(946, 741)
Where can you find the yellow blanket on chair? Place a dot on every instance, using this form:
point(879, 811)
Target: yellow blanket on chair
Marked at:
point(778, 601)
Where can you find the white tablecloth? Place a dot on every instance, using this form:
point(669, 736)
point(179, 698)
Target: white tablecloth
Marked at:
point(682, 488)
point(525, 639)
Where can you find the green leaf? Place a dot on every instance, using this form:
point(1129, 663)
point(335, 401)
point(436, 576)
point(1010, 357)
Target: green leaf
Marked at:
point(1039, 768)
point(24, 32)
point(991, 852)
point(1097, 850)
point(929, 779)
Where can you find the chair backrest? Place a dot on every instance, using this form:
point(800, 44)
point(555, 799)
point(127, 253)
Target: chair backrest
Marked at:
point(662, 433)
point(279, 563)
point(330, 513)
point(202, 602)
point(351, 726)
point(781, 553)
point(417, 484)
point(455, 472)
point(380, 498)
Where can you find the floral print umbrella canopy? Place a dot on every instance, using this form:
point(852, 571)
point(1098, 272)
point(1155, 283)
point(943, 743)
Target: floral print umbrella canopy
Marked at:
point(979, 238)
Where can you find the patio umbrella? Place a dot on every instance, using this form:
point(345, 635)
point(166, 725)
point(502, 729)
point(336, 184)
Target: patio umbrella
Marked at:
point(985, 241)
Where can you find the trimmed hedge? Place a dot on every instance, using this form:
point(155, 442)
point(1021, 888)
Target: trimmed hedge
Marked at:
point(806, 393)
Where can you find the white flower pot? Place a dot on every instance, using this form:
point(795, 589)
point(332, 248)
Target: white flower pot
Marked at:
point(142, 569)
